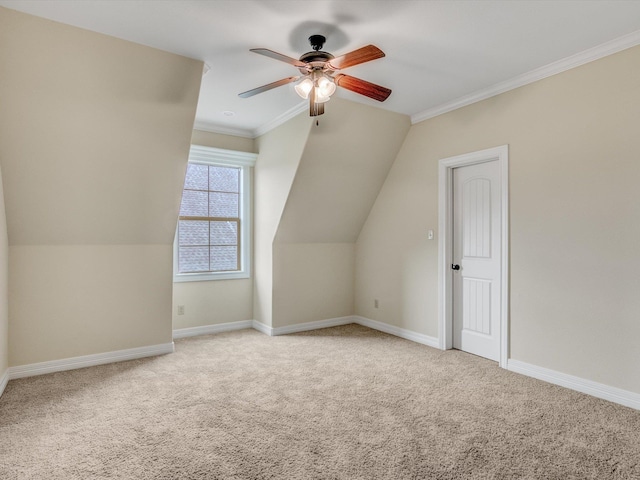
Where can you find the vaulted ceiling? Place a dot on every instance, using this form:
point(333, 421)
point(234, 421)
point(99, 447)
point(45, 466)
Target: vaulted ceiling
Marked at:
point(437, 52)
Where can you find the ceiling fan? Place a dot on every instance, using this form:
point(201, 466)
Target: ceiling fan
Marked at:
point(319, 78)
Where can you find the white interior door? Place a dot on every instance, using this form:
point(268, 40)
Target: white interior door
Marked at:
point(476, 259)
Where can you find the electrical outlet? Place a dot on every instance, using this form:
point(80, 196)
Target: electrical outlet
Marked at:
point(375, 303)
point(180, 309)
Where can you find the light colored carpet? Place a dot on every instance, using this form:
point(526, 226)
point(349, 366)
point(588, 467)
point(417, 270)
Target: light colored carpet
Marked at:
point(339, 403)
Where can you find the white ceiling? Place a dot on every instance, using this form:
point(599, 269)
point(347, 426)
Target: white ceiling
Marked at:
point(437, 52)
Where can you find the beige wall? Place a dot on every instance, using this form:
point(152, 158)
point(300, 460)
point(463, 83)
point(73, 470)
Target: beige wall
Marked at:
point(95, 139)
point(574, 220)
point(279, 154)
point(312, 281)
point(219, 140)
point(73, 300)
point(342, 168)
point(219, 301)
point(395, 263)
point(212, 302)
point(4, 287)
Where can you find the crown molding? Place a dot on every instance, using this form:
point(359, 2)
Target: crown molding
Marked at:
point(280, 119)
point(261, 130)
point(213, 128)
point(595, 53)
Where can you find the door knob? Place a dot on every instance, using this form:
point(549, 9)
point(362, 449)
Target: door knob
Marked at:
point(455, 266)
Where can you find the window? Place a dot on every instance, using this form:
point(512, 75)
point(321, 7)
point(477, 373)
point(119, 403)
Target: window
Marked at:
point(214, 225)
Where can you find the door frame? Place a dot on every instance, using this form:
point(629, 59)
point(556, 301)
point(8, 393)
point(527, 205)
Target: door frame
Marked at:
point(445, 243)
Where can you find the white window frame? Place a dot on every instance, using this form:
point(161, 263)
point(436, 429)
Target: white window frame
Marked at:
point(202, 155)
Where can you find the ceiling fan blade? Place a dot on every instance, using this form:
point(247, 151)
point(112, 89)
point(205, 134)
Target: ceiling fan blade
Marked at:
point(361, 55)
point(269, 86)
point(362, 87)
point(278, 56)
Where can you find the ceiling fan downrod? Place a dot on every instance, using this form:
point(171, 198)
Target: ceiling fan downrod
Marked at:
point(317, 41)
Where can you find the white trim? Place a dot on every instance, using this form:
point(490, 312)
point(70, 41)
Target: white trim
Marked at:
point(600, 51)
point(208, 276)
point(257, 132)
point(398, 332)
point(280, 119)
point(3, 381)
point(261, 327)
point(351, 319)
point(613, 394)
point(595, 53)
point(88, 360)
point(213, 128)
point(221, 156)
point(445, 248)
point(210, 329)
point(200, 154)
point(305, 327)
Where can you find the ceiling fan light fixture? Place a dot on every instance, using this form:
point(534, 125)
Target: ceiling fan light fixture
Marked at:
point(322, 98)
point(319, 80)
point(304, 87)
point(326, 87)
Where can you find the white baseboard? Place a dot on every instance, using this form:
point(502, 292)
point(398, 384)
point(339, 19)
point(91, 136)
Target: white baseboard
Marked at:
point(72, 363)
point(398, 332)
point(613, 394)
point(4, 379)
point(334, 322)
point(209, 329)
point(261, 327)
point(316, 325)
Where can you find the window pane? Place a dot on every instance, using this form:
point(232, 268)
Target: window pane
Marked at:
point(208, 243)
point(193, 259)
point(193, 232)
point(224, 179)
point(194, 204)
point(197, 177)
point(223, 204)
point(224, 259)
point(224, 233)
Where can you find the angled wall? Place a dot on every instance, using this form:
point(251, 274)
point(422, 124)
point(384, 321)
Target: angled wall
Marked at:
point(574, 220)
point(216, 301)
point(4, 290)
point(343, 166)
point(279, 153)
point(95, 134)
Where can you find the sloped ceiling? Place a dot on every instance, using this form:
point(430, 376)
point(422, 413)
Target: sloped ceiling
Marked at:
point(94, 134)
point(438, 51)
point(344, 163)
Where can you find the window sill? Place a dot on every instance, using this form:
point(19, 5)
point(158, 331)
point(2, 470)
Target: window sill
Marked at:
point(206, 277)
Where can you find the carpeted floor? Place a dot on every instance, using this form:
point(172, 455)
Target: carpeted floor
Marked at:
point(338, 403)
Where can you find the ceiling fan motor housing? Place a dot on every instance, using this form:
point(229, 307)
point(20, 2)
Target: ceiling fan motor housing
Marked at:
point(317, 41)
point(317, 58)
